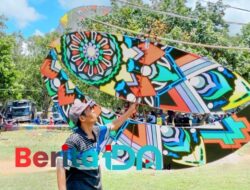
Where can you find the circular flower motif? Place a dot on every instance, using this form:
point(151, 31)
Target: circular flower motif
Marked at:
point(94, 57)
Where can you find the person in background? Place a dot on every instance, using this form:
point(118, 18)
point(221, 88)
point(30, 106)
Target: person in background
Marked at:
point(176, 119)
point(195, 120)
point(171, 116)
point(186, 122)
point(37, 120)
point(1, 122)
point(159, 119)
point(163, 117)
point(118, 111)
point(142, 117)
point(126, 106)
point(151, 117)
point(51, 121)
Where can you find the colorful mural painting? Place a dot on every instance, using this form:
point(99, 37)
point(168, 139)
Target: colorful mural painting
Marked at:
point(126, 67)
point(152, 74)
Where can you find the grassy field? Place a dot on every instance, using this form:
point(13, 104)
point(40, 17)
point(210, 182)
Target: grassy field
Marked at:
point(233, 172)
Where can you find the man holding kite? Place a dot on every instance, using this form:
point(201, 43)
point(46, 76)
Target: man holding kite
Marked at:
point(87, 137)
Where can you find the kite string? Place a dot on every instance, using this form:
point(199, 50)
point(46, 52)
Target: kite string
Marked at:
point(172, 40)
point(171, 14)
point(228, 6)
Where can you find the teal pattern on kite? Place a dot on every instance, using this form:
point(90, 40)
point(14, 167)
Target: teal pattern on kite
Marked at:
point(152, 74)
point(180, 147)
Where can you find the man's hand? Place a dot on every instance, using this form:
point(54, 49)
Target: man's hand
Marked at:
point(118, 122)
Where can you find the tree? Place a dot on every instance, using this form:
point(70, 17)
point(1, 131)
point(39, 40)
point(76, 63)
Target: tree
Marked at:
point(245, 37)
point(7, 67)
point(2, 25)
point(28, 67)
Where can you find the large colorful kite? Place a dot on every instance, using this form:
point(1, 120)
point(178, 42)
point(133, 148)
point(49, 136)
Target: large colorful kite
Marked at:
point(159, 76)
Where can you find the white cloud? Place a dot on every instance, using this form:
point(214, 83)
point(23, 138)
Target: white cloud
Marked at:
point(25, 50)
point(191, 3)
point(70, 4)
point(38, 33)
point(20, 11)
point(147, 1)
point(52, 30)
point(237, 15)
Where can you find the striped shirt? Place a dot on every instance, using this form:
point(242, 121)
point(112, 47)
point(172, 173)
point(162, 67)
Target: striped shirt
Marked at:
point(81, 176)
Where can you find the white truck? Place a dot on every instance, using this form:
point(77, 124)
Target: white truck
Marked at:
point(21, 110)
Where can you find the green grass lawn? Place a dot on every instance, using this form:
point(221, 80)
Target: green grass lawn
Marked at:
point(35, 140)
point(221, 175)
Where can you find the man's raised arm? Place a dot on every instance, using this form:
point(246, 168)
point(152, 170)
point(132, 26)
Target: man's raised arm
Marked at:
point(116, 124)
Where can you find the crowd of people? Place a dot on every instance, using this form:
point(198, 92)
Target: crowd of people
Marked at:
point(158, 117)
point(172, 118)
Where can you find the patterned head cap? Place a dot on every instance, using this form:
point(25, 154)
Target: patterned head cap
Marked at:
point(77, 108)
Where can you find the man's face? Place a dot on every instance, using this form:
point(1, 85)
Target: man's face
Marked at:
point(89, 115)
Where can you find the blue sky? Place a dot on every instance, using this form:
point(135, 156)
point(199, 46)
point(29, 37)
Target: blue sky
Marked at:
point(36, 17)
